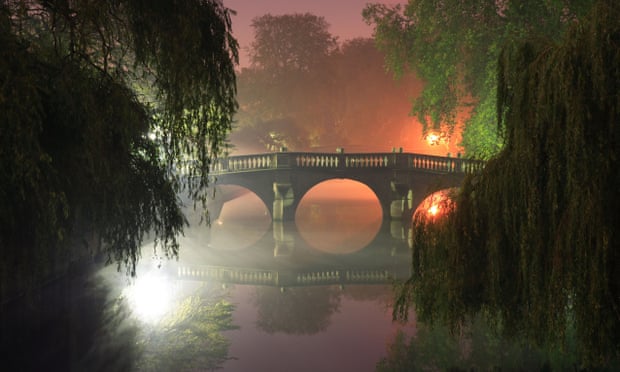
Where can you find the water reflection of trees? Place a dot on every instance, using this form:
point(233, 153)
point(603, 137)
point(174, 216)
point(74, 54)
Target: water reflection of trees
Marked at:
point(301, 311)
point(377, 293)
point(190, 337)
point(476, 347)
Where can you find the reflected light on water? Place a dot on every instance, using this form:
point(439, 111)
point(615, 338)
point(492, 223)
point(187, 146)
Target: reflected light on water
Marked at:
point(242, 222)
point(150, 296)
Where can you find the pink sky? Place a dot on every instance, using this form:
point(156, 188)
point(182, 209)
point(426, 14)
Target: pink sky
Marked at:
point(344, 17)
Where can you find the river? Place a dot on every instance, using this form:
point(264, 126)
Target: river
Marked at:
point(248, 294)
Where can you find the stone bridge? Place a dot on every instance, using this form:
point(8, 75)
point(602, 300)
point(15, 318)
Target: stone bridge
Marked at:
point(400, 181)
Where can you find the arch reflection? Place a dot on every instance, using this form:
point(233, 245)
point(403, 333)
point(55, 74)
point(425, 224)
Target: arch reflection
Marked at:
point(339, 216)
point(242, 220)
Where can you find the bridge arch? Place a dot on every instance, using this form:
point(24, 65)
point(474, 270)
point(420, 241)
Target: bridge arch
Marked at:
point(229, 198)
point(338, 189)
point(338, 216)
point(399, 180)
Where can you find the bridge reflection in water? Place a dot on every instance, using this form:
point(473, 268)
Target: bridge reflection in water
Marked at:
point(283, 259)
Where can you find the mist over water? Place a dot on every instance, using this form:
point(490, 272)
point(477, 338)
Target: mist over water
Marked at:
point(249, 294)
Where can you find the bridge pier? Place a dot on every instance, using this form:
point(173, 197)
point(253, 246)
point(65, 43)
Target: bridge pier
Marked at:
point(283, 202)
point(400, 201)
point(215, 208)
point(284, 238)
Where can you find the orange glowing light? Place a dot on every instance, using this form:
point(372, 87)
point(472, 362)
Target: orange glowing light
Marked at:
point(432, 139)
point(433, 210)
point(437, 205)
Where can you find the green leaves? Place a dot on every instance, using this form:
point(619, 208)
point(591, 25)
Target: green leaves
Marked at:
point(536, 233)
point(452, 46)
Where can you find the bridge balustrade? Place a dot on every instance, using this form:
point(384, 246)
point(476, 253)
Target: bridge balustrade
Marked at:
point(287, 160)
point(367, 275)
point(366, 161)
point(275, 278)
point(310, 160)
point(227, 274)
point(243, 163)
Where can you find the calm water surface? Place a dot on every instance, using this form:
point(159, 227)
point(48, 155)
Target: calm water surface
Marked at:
point(245, 295)
point(251, 295)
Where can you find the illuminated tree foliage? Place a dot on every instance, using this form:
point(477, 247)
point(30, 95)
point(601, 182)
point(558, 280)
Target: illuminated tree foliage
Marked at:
point(284, 93)
point(303, 90)
point(99, 100)
point(453, 46)
point(534, 240)
point(191, 337)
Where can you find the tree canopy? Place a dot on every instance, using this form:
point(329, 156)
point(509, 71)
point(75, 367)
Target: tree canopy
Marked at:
point(533, 240)
point(99, 102)
point(453, 46)
point(290, 41)
point(328, 94)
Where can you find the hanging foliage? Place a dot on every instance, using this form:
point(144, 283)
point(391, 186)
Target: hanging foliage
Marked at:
point(99, 103)
point(534, 241)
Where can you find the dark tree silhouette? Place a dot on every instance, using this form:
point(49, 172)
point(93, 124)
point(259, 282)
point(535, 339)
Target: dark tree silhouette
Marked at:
point(99, 101)
point(533, 240)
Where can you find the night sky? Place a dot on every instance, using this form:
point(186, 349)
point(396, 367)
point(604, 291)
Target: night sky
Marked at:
point(344, 17)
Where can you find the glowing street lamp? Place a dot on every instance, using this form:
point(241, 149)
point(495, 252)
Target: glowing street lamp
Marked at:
point(434, 139)
point(150, 297)
point(433, 210)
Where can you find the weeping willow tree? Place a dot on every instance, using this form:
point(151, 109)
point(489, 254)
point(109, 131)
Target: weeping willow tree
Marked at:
point(533, 241)
point(99, 103)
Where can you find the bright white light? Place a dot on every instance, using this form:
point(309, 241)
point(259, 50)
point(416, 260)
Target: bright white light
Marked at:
point(433, 210)
point(150, 297)
point(432, 139)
